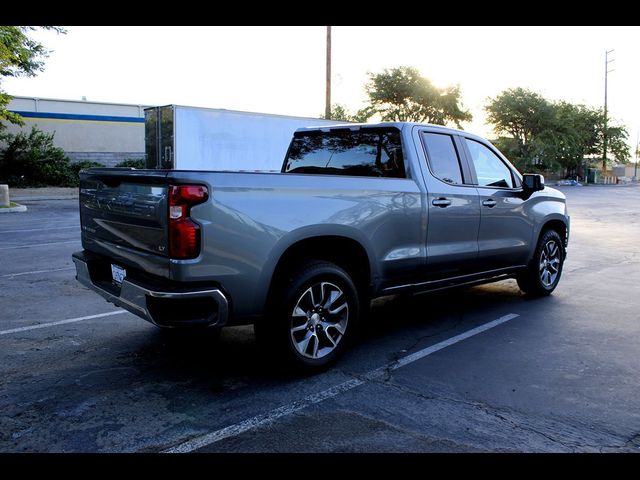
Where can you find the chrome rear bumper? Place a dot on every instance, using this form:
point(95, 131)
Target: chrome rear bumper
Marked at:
point(136, 298)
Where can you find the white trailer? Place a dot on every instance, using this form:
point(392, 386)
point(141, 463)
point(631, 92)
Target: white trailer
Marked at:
point(193, 138)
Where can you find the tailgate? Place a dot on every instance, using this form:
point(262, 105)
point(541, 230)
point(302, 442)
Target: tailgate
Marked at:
point(124, 210)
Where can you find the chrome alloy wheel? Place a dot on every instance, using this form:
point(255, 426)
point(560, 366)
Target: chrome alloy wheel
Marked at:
point(319, 320)
point(549, 263)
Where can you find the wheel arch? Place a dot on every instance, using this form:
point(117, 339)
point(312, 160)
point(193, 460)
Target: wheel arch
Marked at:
point(344, 251)
point(559, 225)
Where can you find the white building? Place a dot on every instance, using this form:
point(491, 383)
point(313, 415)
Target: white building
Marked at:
point(107, 133)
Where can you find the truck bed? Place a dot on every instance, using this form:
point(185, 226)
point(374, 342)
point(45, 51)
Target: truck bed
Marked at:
point(247, 223)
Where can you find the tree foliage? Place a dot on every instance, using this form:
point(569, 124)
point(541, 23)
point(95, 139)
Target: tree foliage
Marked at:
point(20, 56)
point(340, 112)
point(402, 94)
point(131, 163)
point(519, 113)
point(32, 160)
point(617, 145)
point(536, 133)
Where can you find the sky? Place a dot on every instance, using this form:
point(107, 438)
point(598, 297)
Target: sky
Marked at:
point(282, 69)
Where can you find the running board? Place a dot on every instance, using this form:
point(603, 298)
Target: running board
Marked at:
point(460, 281)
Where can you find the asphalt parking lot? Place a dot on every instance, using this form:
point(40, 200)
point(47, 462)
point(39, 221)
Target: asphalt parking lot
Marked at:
point(482, 369)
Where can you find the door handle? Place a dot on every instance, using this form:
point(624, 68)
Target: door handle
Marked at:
point(441, 202)
point(489, 203)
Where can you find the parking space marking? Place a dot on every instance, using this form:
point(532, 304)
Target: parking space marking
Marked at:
point(11, 275)
point(285, 410)
point(60, 322)
point(40, 244)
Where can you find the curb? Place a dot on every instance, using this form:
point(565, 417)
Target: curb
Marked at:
point(628, 184)
point(16, 209)
point(599, 185)
point(45, 197)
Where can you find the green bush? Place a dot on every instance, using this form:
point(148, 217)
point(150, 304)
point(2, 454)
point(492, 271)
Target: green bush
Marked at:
point(32, 160)
point(131, 162)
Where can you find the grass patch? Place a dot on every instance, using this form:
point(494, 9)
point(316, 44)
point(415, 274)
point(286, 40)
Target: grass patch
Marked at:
point(11, 205)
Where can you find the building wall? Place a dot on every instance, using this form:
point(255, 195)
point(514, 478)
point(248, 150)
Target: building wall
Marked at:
point(102, 132)
point(108, 159)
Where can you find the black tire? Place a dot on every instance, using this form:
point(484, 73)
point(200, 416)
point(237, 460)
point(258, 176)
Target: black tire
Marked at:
point(538, 279)
point(275, 332)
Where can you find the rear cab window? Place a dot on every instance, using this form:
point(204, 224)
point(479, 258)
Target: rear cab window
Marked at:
point(367, 152)
point(442, 157)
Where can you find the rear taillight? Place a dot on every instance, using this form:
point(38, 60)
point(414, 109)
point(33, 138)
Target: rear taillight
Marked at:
point(184, 233)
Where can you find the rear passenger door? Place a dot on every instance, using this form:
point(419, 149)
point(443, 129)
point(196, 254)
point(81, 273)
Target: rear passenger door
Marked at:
point(453, 207)
point(505, 234)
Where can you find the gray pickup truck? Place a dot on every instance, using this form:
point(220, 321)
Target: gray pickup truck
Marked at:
point(357, 212)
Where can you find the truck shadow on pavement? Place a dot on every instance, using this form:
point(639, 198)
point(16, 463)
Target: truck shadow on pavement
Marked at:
point(160, 378)
point(392, 322)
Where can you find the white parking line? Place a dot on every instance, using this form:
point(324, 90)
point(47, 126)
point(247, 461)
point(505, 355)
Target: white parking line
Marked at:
point(11, 275)
point(283, 411)
point(60, 322)
point(39, 244)
point(260, 420)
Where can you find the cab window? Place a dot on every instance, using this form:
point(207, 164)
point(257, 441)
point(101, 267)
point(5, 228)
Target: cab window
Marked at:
point(490, 170)
point(442, 157)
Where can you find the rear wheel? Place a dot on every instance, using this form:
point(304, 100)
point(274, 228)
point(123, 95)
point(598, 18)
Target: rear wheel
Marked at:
point(543, 273)
point(311, 317)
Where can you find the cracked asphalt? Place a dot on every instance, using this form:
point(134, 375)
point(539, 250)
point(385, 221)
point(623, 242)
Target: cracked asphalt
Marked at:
point(561, 377)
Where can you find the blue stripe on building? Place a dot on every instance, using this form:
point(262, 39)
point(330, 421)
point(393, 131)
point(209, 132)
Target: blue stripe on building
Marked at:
point(77, 116)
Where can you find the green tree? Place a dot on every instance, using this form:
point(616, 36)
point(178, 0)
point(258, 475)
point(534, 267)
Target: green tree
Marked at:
point(568, 137)
point(340, 112)
point(32, 159)
point(537, 134)
point(617, 146)
point(20, 56)
point(402, 94)
point(523, 115)
point(587, 125)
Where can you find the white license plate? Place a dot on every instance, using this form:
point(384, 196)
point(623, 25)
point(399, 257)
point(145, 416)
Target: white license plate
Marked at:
point(118, 273)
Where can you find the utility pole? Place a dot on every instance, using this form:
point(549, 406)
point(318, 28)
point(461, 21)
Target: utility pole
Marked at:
point(606, 73)
point(635, 169)
point(327, 107)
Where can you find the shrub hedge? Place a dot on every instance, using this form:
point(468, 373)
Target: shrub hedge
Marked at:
point(32, 160)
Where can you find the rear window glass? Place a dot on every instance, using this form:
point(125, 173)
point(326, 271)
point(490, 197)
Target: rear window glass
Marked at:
point(366, 152)
point(443, 158)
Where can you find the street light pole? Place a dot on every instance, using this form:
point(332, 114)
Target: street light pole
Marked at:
point(606, 72)
point(327, 105)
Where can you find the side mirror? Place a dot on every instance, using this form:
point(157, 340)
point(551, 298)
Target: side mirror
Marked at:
point(532, 182)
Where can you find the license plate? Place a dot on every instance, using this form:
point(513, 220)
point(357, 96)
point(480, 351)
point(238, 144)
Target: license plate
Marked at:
point(118, 274)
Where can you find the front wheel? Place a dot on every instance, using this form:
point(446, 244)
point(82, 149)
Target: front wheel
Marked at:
point(542, 275)
point(311, 317)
